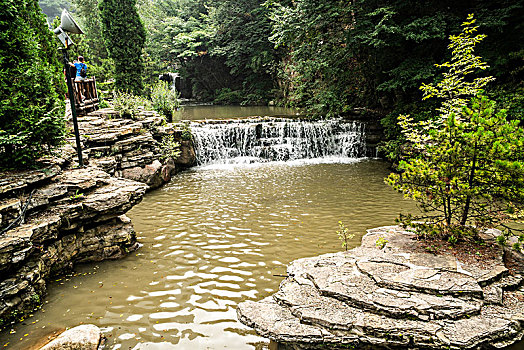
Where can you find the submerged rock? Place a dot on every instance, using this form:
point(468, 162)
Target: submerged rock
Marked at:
point(395, 297)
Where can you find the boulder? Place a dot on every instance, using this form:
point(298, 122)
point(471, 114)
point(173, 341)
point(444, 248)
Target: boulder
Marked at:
point(84, 337)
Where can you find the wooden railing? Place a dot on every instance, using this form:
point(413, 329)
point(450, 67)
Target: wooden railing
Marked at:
point(86, 96)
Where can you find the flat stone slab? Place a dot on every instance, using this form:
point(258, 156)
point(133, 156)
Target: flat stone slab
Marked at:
point(392, 296)
point(339, 276)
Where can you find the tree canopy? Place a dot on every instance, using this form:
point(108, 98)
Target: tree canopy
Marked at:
point(31, 85)
point(124, 35)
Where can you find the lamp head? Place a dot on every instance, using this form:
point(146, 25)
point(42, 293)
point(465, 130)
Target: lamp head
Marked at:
point(67, 25)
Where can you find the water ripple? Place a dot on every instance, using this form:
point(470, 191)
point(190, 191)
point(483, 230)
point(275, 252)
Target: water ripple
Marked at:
point(213, 238)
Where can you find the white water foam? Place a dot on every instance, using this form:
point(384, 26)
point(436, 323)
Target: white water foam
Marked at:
point(261, 140)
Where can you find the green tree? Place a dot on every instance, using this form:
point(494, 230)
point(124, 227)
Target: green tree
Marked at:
point(91, 44)
point(466, 167)
point(31, 85)
point(222, 46)
point(374, 53)
point(470, 170)
point(241, 31)
point(124, 35)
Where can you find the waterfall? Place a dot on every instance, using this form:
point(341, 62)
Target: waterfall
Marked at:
point(171, 78)
point(257, 140)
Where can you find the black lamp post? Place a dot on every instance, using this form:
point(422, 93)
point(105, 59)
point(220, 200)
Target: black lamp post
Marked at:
point(68, 24)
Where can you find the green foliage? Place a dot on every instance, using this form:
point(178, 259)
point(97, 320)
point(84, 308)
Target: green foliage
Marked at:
point(186, 134)
point(455, 87)
point(470, 170)
point(381, 243)
point(124, 35)
point(468, 167)
point(501, 240)
point(228, 97)
point(165, 100)
point(31, 85)
point(344, 235)
point(240, 37)
point(103, 103)
point(215, 45)
point(129, 105)
point(169, 148)
point(339, 54)
point(76, 196)
point(452, 239)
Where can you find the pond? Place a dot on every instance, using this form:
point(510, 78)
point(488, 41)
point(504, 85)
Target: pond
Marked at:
point(213, 237)
point(202, 112)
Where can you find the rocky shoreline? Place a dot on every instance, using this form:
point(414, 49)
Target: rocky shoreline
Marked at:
point(394, 296)
point(61, 215)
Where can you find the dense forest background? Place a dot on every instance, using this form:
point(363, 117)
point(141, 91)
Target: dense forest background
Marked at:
point(329, 57)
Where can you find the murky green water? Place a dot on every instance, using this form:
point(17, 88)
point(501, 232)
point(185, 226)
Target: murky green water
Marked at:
point(211, 239)
point(202, 112)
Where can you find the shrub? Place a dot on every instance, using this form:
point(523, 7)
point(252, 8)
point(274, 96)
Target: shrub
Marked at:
point(165, 99)
point(227, 97)
point(344, 235)
point(129, 105)
point(169, 148)
point(31, 85)
point(465, 168)
point(186, 132)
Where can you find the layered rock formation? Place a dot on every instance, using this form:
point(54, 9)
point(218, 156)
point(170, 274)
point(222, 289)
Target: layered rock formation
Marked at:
point(60, 215)
point(395, 297)
point(130, 148)
point(66, 217)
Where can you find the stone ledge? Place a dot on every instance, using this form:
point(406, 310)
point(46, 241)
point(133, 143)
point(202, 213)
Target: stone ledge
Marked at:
point(395, 297)
point(74, 217)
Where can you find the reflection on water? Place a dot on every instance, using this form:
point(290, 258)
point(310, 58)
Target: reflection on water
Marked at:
point(226, 112)
point(212, 238)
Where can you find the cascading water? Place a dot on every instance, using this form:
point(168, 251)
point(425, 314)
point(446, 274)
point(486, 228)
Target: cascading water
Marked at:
point(257, 140)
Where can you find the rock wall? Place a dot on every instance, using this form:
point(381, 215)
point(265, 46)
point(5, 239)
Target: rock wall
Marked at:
point(60, 215)
point(70, 216)
point(131, 148)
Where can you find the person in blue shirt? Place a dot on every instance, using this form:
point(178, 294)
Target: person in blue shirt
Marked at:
point(81, 74)
point(79, 65)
